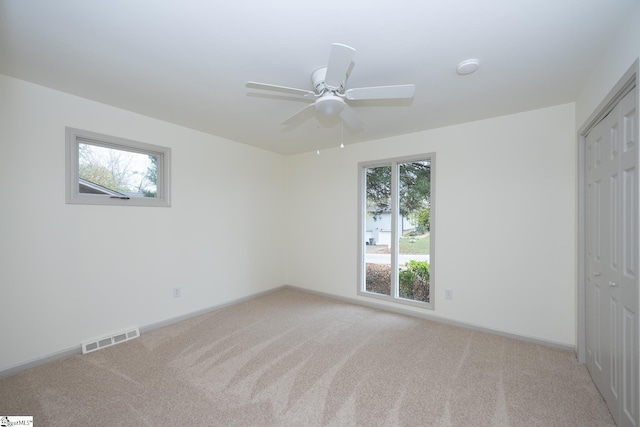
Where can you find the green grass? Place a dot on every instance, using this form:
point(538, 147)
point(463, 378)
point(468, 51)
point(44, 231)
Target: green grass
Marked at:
point(415, 245)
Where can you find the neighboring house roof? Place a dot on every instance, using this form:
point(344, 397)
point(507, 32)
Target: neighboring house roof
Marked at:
point(89, 187)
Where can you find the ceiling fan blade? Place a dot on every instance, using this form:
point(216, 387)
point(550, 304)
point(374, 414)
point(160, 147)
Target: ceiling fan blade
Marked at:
point(266, 86)
point(302, 115)
point(339, 63)
point(381, 92)
point(350, 117)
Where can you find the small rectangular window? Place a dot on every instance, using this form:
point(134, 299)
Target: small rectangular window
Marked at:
point(107, 170)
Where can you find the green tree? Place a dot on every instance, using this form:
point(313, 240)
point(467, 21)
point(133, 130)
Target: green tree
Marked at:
point(104, 166)
point(423, 219)
point(100, 175)
point(415, 188)
point(152, 177)
point(119, 170)
point(378, 190)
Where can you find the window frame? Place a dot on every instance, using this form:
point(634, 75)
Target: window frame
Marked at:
point(73, 137)
point(362, 212)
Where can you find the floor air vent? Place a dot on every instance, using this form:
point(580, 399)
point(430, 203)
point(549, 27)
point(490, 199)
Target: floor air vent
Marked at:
point(94, 345)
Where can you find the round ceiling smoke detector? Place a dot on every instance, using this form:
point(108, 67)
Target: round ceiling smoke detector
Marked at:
point(467, 67)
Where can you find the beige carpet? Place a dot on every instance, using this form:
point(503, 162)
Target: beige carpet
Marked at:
point(296, 359)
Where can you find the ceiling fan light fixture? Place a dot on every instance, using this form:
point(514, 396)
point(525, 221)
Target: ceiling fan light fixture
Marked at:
point(330, 105)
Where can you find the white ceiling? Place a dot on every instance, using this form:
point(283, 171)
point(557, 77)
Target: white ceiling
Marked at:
point(187, 61)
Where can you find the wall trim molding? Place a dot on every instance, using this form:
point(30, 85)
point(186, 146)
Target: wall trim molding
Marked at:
point(429, 316)
point(77, 350)
point(33, 363)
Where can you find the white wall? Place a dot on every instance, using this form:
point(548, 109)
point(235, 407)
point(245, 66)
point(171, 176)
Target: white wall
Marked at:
point(69, 273)
point(223, 238)
point(504, 220)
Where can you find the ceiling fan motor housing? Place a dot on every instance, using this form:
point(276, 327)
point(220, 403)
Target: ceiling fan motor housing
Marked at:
point(318, 81)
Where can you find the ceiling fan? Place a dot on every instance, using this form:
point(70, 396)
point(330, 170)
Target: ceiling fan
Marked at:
point(330, 93)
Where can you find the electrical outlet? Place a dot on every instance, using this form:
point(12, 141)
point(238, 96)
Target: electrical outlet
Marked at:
point(448, 294)
point(177, 292)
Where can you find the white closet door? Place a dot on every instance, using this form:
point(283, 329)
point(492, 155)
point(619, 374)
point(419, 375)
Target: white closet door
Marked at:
point(612, 258)
point(628, 279)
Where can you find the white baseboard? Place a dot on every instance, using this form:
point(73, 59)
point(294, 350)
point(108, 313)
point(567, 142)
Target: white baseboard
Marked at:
point(78, 349)
point(177, 319)
point(63, 354)
point(427, 316)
